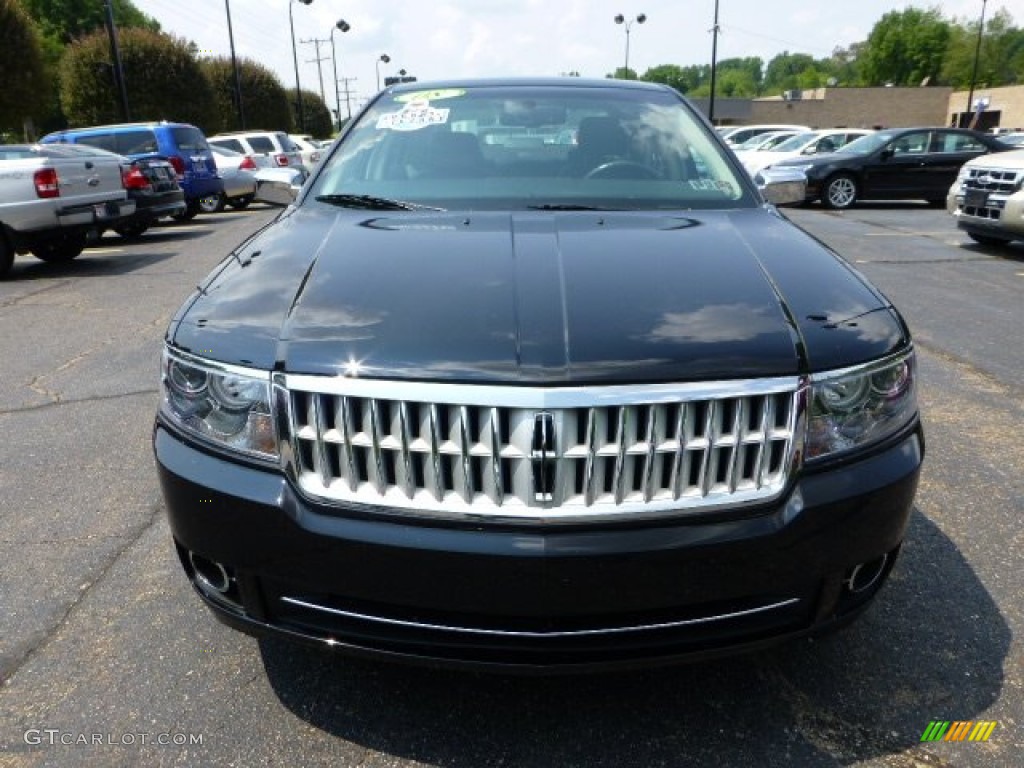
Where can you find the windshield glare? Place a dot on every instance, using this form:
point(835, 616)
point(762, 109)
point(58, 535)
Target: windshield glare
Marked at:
point(519, 147)
point(796, 143)
point(867, 144)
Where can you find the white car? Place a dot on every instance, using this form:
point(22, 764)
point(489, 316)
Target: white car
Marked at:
point(808, 143)
point(310, 150)
point(738, 134)
point(764, 141)
point(987, 198)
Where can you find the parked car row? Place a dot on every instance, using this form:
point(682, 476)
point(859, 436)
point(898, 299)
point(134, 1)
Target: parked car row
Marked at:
point(78, 183)
point(900, 164)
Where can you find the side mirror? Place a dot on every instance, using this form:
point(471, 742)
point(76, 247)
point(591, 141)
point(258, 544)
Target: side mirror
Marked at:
point(886, 153)
point(782, 186)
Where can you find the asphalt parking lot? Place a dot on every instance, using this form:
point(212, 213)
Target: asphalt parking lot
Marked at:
point(105, 653)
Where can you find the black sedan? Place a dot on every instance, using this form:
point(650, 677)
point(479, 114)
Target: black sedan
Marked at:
point(897, 164)
point(482, 396)
point(153, 184)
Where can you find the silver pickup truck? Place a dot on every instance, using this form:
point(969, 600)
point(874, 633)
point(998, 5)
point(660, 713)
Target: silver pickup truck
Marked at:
point(52, 197)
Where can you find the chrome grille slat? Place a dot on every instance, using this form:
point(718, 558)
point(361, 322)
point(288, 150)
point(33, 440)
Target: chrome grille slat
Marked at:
point(465, 455)
point(348, 455)
point(435, 454)
point(498, 495)
point(408, 476)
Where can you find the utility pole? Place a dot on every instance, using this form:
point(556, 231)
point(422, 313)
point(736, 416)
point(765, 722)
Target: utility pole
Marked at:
point(234, 68)
point(318, 59)
point(115, 54)
point(348, 93)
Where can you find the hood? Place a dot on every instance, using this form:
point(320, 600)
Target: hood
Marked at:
point(538, 298)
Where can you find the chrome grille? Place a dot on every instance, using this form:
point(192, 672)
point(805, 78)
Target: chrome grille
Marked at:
point(543, 454)
point(983, 191)
point(998, 180)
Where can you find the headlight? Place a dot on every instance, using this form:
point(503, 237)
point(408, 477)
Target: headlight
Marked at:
point(224, 405)
point(852, 408)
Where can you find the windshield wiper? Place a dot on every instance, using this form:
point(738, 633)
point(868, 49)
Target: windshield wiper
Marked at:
point(566, 207)
point(371, 202)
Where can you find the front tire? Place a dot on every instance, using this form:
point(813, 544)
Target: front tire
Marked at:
point(839, 192)
point(60, 250)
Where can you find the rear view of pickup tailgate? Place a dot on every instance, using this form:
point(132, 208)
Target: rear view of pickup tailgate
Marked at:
point(51, 197)
point(60, 188)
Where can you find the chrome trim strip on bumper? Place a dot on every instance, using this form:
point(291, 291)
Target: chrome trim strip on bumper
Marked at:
point(541, 635)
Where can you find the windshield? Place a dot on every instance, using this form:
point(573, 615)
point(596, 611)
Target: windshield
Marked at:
point(796, 143)
point(528, 147)
point(865, 145)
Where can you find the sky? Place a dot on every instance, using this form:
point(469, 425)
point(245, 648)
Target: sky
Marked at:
point(437, 39)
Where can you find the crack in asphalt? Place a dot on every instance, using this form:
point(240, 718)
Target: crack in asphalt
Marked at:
point(8, 674)
point(78, 401)
point(18, 299)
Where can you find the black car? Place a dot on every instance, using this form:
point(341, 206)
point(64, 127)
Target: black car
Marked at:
point(897, 164)
point(486, 396)
point(153, 184)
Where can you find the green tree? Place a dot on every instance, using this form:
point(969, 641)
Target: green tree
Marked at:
point(906, 47)
point(264, 98)
point(162, 76)
point(784, 71)
point(319, 122)
point(62, 21)
point(621, 73)
point(1000, 60)
point(21, 60)
point(683, 79)
point(843, 64)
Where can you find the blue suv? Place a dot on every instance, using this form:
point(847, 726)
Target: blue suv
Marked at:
point(183, 145)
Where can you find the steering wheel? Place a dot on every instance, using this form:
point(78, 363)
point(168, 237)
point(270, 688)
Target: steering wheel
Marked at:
point(622, 169)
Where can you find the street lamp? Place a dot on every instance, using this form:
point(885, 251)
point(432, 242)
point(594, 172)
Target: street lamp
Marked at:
point(620, 19)
point(386, 59)
point(977, 53)
point(295, 58)
point(344, 27)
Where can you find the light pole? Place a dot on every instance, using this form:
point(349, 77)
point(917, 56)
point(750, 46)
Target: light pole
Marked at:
point(344, 27)
point(115, 54)
point(295, 58)
point(234, 67)
point(386, 59)
point(974, 72)
point(620, 19)
point(714, 64)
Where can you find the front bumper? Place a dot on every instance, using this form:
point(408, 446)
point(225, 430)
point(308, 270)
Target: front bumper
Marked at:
point(531, 598)
point(149, 208)
point(997, 215)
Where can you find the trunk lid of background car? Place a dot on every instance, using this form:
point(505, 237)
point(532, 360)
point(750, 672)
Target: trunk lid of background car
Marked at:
point(531, 297)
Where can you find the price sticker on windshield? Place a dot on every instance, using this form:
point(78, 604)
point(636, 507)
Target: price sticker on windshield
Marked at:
point(413, 116)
